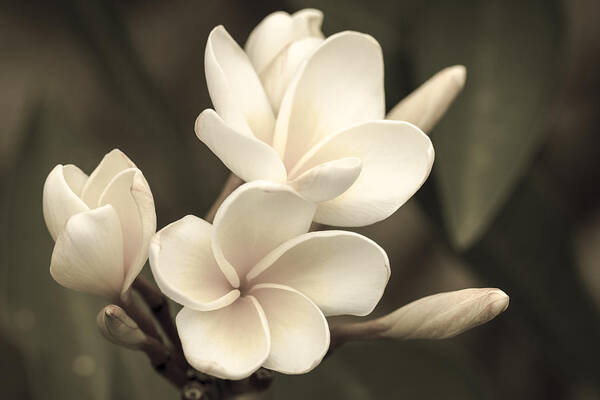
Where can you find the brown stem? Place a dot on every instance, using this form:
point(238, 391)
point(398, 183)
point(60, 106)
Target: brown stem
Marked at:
point(157, 303)
point(232, 183)
point(133, 309)
point(161, 360)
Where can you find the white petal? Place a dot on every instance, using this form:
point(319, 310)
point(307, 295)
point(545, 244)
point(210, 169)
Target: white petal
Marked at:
point(129, 194)
point(75, 178)
point(234, 87)
point(444, 315)
point(327, 181)
point(342, 272)
point(427, 104)
point(278, 30)
point(185, 269)
point(277, 76)
point(341, 85)
point(396, 159)
point(229, 343)
point(112, 163)
point(60, 200)
point(252, 221)
point(88, 254)
point(299, 330)
point(245, 156)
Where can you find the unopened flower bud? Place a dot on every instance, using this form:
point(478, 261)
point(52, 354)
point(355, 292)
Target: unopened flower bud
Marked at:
point(117, 327)
point(440, 316)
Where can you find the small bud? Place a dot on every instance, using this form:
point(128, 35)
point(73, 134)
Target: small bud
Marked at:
point(117, 327)
point(444, 315)
point(440, 316)
point(428, 103)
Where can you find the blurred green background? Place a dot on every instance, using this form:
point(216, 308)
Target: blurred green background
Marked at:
point(512, 201)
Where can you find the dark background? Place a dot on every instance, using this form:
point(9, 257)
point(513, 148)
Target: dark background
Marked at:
point(512, 201)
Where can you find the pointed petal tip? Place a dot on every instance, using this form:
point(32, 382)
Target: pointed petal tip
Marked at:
point(458, 73)
point(498, 301)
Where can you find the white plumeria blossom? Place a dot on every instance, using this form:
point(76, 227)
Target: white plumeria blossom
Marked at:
point(309, 112)
point(102, 225)
point(256, 287)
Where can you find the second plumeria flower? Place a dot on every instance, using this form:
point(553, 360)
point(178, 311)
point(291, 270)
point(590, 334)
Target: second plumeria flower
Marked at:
point(329, 140)
point(102, 225)
point(256, 287)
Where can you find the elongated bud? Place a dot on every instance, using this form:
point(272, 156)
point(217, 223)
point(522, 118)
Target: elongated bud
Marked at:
point(117, 327)
point(439, 316)
point(428, 103)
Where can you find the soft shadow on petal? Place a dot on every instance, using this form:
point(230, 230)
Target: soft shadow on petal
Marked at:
point(340, 85)
point(112, 163)
point(342, 272)
point(60, 200)
point(280, 72)
point(327, 181)
point(129, 193)
point(256, 218)
point(229, 343)
point(245, 156)
point(185, 269)
point(278, 30)
point(88, 254)
point(428, 103)
point(396, 160)
point(234, 87)
point(299, 330)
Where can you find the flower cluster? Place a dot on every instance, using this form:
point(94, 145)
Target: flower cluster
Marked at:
point(300, 118)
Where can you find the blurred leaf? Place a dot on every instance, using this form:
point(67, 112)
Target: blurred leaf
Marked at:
point(487, 140)
point(389, 370)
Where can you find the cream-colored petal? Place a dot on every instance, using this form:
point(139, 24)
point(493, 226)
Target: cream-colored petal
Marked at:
point(299, 330)
point(88, 254)
point(329, 180)
point(278, 30)
point(396, 160)
point(185, 269)
point(229, 343)
point(256, 218)
point(59, 200)
point(342, 272)
point(277, 76)
point(112, 163)
point(75, 178)
point(245, 156)
point(235, 89)
point(428, 103)
point(340, 85)
point(129, 194)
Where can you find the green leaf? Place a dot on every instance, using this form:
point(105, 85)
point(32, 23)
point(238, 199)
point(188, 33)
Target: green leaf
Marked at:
point(489, 137)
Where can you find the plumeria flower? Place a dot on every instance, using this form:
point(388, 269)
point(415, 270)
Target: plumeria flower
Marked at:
point(102, 225)
point(257, 288)
point(299, 109)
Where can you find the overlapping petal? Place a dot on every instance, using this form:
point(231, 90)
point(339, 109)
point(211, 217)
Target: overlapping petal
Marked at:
point(185, 269)
point(60, 197)
point(235, 88)
point(278, 30)
point(129, 194)
point(341, 272)
point(246, 156)
point(299, 330)
point(112, 163)
point(88, 254)
point(396, 159)
point(340, 85)
point(329, 180)
point(252, 221)
point(428, 103)
point(229, 343)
